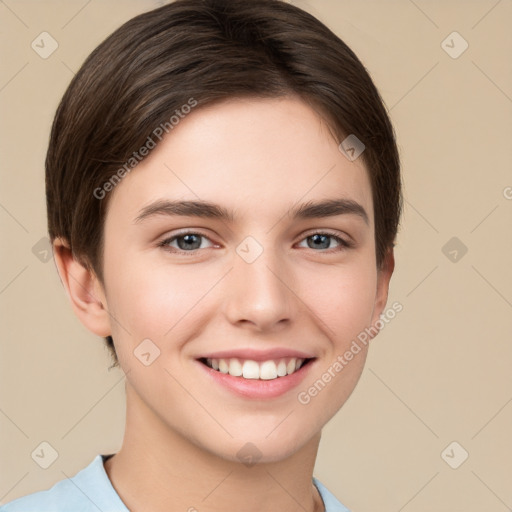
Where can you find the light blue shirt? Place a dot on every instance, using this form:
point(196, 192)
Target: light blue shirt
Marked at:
point(90, 490)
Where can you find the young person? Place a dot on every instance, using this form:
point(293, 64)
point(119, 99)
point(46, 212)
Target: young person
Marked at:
point(223, 194)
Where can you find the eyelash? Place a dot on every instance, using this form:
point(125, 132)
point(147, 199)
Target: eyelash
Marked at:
point(343, 244)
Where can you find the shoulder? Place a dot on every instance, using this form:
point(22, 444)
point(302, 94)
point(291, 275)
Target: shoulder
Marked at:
point(88, 491)
point(61, 496)
point(332, 504)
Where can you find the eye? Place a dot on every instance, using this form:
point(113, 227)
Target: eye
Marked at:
point(321, 240)
point(187, 242)
point(191, 241)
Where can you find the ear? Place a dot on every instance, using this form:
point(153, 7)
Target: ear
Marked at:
point(84, 290)
point(383, 277)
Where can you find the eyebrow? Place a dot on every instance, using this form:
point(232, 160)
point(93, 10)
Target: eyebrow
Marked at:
point(206, 209)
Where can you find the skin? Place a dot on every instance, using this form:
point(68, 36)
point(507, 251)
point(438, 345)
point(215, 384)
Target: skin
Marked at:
point(258, 157)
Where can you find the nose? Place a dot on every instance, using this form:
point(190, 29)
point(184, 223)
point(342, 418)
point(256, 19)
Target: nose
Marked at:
point(259, 294)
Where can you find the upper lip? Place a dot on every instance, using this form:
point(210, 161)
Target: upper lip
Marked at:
point(257, 354)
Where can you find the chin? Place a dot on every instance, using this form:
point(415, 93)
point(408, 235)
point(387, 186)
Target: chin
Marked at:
point(250, 449)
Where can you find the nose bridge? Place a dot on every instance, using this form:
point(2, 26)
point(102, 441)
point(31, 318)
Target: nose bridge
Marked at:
point(259, 287)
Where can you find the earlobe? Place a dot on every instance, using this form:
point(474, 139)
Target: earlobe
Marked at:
point(83, 289)
point(383, 278)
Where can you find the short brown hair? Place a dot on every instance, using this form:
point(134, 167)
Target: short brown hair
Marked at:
point(208, 50)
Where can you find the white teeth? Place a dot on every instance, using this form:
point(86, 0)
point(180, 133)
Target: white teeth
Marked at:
point(223, 366)
point(249, 369)
point(268, 370)
point(290, 367)
point(281, 369)
point(235, 368)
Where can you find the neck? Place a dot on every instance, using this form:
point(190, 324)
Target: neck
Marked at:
point(158, 469)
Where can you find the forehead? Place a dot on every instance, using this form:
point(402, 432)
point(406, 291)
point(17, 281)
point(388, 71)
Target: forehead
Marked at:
point(256, 157)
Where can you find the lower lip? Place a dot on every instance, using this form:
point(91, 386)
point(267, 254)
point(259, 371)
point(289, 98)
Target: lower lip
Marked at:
point(257, 388)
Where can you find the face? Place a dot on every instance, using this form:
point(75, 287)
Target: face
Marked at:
point(252, 292)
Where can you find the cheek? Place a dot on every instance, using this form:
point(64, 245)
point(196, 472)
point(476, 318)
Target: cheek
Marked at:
point(342, 298)
point(150, 300)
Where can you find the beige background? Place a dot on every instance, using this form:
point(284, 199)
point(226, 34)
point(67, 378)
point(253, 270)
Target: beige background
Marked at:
point(439, 372)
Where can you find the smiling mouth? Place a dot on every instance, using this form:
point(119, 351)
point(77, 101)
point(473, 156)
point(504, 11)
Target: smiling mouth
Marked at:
point(262, 370)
